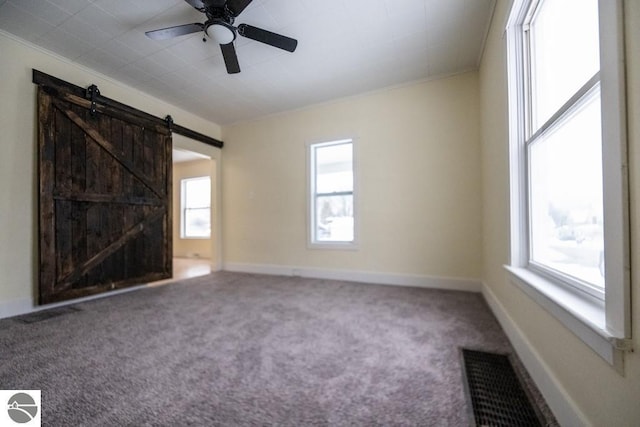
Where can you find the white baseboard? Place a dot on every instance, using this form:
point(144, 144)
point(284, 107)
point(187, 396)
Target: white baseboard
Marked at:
point(19, 306)
point(412, 280)
point(15, 307)
point(564, 408)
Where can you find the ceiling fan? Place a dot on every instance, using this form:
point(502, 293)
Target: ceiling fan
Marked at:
point(219, 26)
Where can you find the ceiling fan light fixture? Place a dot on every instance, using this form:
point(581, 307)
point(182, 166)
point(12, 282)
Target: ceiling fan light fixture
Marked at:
point(221, 33)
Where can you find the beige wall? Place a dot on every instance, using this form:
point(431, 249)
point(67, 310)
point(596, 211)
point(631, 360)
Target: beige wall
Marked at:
point(417, 158)
point(18, 170)
point(189, 248)
point(601, 395)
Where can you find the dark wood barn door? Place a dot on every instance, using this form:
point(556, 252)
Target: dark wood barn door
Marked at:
point(105, 198)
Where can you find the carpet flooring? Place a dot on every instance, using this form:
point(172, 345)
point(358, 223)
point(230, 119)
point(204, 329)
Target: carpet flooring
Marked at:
point(233, 349)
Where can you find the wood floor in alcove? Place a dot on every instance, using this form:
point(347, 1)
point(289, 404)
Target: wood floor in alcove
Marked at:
point(185, 268)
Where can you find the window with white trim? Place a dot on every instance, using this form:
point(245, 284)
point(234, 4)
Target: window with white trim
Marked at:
point(195, 208)
point(331, 201)
point(569, 248)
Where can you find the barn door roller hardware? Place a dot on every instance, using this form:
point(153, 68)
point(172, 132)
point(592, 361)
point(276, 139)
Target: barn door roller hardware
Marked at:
point(91, 94)
point(169, 121)
point(97, 102)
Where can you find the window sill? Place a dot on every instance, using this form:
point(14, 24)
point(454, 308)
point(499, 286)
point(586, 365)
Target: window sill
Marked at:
point(581, 314)
point(344, 246)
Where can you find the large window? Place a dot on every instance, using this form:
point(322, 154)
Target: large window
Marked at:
point(332, 194)
point(196, 208)
point(568, 157)
point(563, 142)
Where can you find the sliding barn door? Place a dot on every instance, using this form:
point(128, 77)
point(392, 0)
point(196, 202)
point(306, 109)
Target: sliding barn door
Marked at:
point(105, 198)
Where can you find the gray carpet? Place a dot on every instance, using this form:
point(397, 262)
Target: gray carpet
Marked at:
point(237, 349)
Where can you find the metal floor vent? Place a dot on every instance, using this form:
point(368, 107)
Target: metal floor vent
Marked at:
point(39, 316)
point(494, 392)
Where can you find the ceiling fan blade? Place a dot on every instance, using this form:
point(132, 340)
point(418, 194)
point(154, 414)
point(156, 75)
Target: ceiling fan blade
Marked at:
point(267, 37)
point(171, 32)
point(237, 6)
point(230, 58)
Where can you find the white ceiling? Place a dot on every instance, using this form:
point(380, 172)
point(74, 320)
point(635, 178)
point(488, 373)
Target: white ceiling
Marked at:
point(181, 156)
point(345, 47)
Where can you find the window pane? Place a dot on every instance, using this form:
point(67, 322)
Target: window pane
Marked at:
point(334, 168)
point(566, 53)
point(334, 218)
point(197, 193)
point(197, 222)
point(196, 204)
point(566, 197)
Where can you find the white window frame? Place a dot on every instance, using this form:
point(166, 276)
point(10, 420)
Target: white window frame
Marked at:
point(312, 242)
point(183, 208)
point(602, 321)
